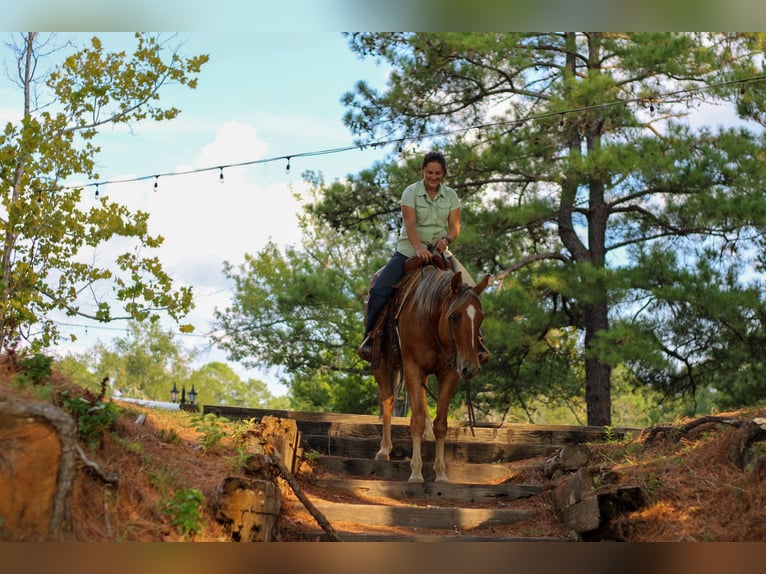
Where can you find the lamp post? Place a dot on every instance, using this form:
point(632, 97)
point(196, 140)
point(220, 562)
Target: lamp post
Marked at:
point(174, 392)
point(192, 395)
point(183, 395)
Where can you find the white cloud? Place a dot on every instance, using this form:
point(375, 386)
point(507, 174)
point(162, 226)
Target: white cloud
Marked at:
point(205, 222)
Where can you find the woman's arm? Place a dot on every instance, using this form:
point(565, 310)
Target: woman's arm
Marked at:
point(409, 218)
point(453, 231)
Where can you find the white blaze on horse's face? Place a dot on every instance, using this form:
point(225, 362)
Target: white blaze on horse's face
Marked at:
point(471, 312)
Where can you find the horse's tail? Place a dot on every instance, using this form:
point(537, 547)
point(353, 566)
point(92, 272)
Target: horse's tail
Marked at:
point(390, 357)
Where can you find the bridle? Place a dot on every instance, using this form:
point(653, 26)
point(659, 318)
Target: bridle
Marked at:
point(451, 362)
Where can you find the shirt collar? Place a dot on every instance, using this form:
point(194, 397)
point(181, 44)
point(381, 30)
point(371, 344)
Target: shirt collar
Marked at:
point(422, 189)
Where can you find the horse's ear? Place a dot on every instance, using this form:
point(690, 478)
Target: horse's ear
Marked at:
point(482, 285)
point(457, 282)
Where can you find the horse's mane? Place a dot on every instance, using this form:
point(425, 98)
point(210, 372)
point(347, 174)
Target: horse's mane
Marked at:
point(430, 291)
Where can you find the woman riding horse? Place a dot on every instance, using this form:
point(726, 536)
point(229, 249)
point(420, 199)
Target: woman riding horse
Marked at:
point(430, 216)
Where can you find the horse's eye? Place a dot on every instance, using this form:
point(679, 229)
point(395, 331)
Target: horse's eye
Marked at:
point(454, 317)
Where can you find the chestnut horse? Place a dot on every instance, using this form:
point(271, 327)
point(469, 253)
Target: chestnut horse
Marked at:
point(431, 328)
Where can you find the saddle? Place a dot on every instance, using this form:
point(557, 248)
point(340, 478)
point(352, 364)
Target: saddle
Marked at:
point(438, 260)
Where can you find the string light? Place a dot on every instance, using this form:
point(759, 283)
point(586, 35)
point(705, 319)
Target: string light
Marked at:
point(561, 114)
point(96, 191)
point(125, 330)
point(220, 176)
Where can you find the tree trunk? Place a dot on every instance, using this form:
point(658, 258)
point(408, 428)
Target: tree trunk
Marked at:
point(598, 391)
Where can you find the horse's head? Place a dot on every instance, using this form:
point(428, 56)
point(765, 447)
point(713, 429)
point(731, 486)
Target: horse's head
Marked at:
point(465, 315)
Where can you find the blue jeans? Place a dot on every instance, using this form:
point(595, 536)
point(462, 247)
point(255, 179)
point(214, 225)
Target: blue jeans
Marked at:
point(382, 288)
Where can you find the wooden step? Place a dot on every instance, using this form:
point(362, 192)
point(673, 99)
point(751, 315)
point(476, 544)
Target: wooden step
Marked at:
point(458, 473)
point(367, 500)
point(429, 492)
point(469, 452)
point(435, 518)
point(365, 425)
point(525, 434)
point(319, 535)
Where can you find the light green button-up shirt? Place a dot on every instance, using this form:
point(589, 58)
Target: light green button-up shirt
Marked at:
point(431, 215)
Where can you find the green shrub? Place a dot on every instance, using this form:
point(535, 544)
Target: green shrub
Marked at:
point(91, 419)
point(33, 369)
point(210, 428)
point(184, 511)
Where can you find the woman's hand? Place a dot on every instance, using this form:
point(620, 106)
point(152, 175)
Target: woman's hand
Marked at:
point(423, 254)
point(441, 245)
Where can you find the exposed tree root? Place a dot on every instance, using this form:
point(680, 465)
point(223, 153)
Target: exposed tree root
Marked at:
point(66, 430)
point(676, 431)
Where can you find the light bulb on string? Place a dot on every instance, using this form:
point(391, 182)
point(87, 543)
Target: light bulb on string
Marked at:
point(287, 167)
point(156, 182)
point(96, 191)
point(220, 175)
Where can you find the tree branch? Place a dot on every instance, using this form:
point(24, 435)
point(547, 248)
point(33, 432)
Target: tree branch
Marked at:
point(528, 260)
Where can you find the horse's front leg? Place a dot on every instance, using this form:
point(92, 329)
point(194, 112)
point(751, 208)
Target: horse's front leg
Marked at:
point(447, 385)
point(386, 410)
point(440, 467)
point(417, 393)
point(416, 463)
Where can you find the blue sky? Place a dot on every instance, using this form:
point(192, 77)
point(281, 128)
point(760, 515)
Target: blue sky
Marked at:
point(260, 96)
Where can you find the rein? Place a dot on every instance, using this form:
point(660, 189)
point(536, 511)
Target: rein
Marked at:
point(452, 363)
point(468, 402)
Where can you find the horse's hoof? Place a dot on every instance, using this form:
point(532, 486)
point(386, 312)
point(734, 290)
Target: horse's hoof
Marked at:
point(442, 479)
point(382, 456)
point(416, 479)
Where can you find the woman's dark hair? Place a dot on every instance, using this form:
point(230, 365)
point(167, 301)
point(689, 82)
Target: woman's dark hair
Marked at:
point(437, 157)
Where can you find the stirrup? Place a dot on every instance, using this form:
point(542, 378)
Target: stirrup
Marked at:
point(365, 349)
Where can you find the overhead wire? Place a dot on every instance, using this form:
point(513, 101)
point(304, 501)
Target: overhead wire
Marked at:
point(398, 141)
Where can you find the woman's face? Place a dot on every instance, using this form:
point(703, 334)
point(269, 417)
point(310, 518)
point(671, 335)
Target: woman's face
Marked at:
point(433, 174)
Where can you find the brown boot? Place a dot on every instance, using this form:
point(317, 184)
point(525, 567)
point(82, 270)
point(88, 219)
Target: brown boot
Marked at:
point(365, 349)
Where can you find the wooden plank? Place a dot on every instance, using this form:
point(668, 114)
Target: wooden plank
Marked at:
point(504, 432)
point(481, 453)
point(284, 437)
point(248, 508)
point(416, 516)
point(347, 536)
point(400, 470)
point(505, 435)
point(430, 491)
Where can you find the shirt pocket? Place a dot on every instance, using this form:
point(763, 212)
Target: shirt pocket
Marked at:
point(425, 212)
point(442, 211)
